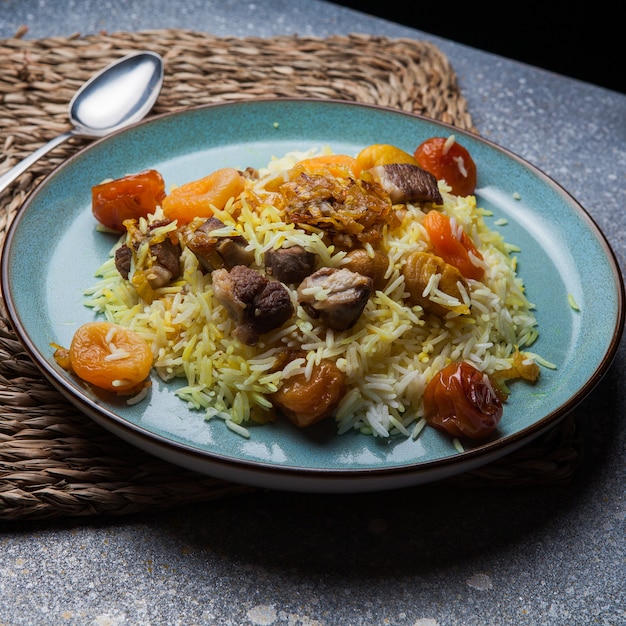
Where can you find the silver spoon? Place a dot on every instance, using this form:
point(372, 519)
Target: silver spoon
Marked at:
point(120, 94)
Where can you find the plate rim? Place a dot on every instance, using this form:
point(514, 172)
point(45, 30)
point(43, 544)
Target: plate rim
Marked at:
point(193, 455)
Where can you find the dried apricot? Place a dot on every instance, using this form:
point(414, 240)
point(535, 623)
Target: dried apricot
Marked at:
point(455, 248)
point(448, 160)
point(382, 154)
point(130, 197)
point(462, 401)
point(110, 356)
point(307, 401)
point(338, 165)
point(199, 198)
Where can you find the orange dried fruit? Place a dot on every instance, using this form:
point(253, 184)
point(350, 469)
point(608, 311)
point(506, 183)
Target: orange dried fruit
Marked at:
point(307, 401)
point(110, 356)
point(338, 165)
point(448, 160)
point(455, 248)
point(130, 197)
point(382, 154)
point(199, 198)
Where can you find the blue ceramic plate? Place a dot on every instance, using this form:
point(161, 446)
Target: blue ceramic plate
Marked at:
point(53, 250)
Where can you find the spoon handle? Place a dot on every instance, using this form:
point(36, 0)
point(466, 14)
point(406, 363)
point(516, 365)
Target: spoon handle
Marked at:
point(8, 177)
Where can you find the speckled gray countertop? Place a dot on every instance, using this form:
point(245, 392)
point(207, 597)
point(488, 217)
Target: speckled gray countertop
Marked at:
point(418, 557)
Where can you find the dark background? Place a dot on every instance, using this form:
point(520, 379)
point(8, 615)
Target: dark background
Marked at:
point(577, 39)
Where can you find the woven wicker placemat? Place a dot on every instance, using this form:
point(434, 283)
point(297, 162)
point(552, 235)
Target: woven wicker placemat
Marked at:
point(54, 461)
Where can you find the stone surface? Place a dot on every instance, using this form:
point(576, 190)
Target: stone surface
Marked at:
point(419, 557)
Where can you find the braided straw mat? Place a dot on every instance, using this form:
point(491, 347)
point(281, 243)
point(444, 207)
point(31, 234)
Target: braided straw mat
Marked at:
point(54, 461)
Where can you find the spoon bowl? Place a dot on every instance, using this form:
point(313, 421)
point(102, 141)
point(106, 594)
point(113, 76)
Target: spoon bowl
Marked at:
point(119, 95)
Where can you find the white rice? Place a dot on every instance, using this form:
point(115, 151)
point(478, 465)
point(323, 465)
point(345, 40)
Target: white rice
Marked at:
point(388, 357)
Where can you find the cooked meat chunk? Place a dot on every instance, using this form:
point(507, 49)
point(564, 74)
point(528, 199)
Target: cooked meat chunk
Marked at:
point(443, 294)
point(272, 307)
point(289, 265)
point(216, 251)
point(159, 267)
point(336, 296)
point(405, 182)
point(360, 261)
point(256, 304)
point(165, 263)
point(123, 259)
point(251, 173)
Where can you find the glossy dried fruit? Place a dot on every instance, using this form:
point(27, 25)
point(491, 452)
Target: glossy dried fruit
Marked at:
point(454, 246)
point(340, 165)
point(382, 154)
point(130, 197)
point(418, 270)
point(462, 401)
point(304, 402)
point(450, 161)
point(199, 198)
point(110, 356)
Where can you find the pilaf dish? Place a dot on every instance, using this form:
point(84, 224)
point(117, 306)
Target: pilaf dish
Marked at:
point(367, 289)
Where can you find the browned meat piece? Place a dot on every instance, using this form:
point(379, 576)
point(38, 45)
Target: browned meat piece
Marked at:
point(251, 173)
point(289, 265)
point(160, 267)
point(405, 182)
point(361, 262)
point(256, 304)
point(165, 263)
point(272, 307)
point(417, 272)
point(217, 251)
point(123, 259)
point(336, 296)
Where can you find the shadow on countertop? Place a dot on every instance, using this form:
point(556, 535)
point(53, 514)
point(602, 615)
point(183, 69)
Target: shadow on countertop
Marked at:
point(411, 531)
point(418, 530)
point(574, 38)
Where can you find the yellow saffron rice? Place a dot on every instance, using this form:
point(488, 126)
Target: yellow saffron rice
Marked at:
point(388, 357)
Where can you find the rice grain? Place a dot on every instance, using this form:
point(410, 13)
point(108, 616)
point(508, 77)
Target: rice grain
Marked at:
point(387, 357)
